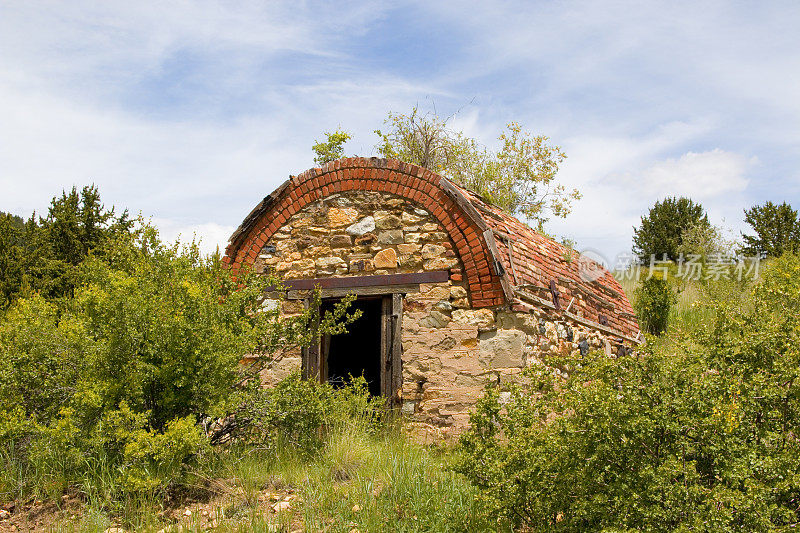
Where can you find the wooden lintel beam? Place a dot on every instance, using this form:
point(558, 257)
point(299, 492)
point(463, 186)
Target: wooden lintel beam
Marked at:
point(376, 290)
point(352, 282)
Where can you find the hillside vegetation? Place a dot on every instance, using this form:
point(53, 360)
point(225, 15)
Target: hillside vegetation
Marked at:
point(123, 403)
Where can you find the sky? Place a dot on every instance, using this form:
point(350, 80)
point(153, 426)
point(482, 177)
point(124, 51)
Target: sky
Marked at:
point(191, 112)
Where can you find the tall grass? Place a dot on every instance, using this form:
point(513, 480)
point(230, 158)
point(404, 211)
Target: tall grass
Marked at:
point(366, 482)
point(692, 309)
point(359, 479)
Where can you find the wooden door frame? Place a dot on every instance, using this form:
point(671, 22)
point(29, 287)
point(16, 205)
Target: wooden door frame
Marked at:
point(314, 357)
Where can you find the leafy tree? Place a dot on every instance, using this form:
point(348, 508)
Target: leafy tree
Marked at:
point(662, 230)
point(15, 221)
point(704, 240)
point(519, 178)
point(698, 434)
point(332, 148)
point(77, 222)
point(776, 227)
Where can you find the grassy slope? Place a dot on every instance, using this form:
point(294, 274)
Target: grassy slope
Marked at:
point(357, 482)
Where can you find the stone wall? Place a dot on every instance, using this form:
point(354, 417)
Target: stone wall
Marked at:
point(450, 350)
point(450, 353)
point(358, 233)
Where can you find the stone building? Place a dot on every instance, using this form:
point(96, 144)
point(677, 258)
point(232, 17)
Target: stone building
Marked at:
point(454, 291)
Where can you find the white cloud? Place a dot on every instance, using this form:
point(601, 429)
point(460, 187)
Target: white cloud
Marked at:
point(192, 111)
point(701, 176)
point(209, 235)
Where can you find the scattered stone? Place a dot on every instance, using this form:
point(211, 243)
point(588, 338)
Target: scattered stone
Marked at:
point(281, 506)
point(361, 227)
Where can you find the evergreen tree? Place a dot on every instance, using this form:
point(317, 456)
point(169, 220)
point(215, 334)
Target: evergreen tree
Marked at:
point(777, 229)
point(42, 254)
point(662, 230)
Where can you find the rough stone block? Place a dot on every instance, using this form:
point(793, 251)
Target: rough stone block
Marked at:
point(341, 241)
point(388, 222)
point(413, 237)
point(481, 318)
point(385, 259)
point(440, 263)
point(502, 348)
point(432, 251)
point(392, 236)
point(342, 216)
point(365, 225)
point(408, 248)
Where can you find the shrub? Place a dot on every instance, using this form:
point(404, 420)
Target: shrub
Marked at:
point(299, 413)
point(116, 377)
point(653, 300)
point(42, 355)
point(699, 434)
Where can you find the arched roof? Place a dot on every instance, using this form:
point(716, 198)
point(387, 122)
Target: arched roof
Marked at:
point(505, 261)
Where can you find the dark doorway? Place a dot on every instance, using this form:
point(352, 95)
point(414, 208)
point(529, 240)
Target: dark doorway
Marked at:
point(357, 352)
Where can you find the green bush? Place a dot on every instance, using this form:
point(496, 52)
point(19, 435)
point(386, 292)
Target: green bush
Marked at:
point(699, 434)
point(42, 356)
point(299, 413)
point(653, 300)
point(114, 378)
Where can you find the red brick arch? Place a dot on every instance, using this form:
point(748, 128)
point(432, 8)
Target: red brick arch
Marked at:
point(381, 175)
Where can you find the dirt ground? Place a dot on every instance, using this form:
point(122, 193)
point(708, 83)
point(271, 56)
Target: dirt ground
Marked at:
point(220, 504)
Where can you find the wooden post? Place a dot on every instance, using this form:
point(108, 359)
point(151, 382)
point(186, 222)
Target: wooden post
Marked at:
point(396, 380)
point(386, 343)
point(311, 355)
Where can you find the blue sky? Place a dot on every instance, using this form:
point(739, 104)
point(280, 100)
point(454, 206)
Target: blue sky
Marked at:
point(190, 112)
